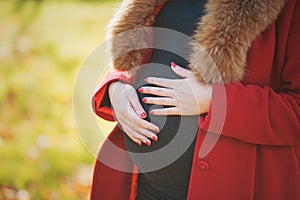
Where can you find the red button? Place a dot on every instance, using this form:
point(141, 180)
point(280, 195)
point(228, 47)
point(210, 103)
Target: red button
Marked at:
point(203, 165)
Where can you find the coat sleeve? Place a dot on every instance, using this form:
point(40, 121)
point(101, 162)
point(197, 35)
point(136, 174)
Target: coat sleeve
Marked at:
point(100, 101)
point(260, 115)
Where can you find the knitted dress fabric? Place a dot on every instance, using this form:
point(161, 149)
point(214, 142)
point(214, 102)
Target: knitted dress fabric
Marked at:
point(169, 182)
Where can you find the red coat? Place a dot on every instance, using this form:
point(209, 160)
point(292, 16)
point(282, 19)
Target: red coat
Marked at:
point(258, 153)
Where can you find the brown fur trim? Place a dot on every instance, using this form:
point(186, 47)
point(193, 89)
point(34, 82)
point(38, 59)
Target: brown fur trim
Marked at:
point(131, 15)
point(225, 32)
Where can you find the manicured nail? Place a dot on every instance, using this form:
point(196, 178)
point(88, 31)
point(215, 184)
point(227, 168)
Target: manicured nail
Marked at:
point(148, 143)
point(139, 143)
point(143, 115)
point(144, 100)
point(173, 64)
point(151, 112)
point(154, 138)
point(141, 90)
point(146, 80)
point(157, 130)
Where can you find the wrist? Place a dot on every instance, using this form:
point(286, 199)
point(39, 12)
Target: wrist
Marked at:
point(113, 86)
point(210, 92)
point(205, 99)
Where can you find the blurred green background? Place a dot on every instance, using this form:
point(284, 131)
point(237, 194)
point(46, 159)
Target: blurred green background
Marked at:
point(42, 45)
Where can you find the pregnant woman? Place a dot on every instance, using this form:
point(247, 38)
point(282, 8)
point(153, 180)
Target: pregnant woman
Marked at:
point(254, 47)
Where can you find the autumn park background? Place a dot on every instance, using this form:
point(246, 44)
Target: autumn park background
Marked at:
point(42, 47)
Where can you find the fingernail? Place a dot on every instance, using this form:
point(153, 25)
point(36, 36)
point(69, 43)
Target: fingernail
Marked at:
point(148, 143)
point(144, 100)
point(151, 112)
point(139, 143)
point(146, 80)
point(143, 115)
point(173, 64)
point(154, 138)
point(157, 130)
point(141, 89)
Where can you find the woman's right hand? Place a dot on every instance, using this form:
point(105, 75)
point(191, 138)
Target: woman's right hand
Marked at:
point(130, 113)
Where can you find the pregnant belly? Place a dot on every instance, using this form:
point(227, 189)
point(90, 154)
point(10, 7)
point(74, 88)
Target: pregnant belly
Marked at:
point(167, 163)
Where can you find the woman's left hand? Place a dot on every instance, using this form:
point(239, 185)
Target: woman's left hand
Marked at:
point(185, 96)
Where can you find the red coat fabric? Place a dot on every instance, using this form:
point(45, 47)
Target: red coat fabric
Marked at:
point(258, 153)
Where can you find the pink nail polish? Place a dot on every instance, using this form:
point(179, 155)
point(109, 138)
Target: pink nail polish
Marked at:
point(144, 100)
point(157, 130)
point(141, 90)
point(151, 112)
point(148, 143)
point(154, 138)
point(146, 80)
point(173, 64)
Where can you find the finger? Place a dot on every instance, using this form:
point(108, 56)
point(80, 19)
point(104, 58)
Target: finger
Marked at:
point(135, 130)
point(132, 120)
point(137, 141)
point(158, 91)
point(136, 136)
point(180, 70)
point(142, 127)
point(136, 105)
point(163, 82)
point(147, 133)
point(166, 111)
point(160, 101)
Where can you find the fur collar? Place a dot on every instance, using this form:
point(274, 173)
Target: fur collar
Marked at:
point(225, 32)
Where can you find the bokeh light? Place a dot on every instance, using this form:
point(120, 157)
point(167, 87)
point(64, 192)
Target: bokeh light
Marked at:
point(42, 46)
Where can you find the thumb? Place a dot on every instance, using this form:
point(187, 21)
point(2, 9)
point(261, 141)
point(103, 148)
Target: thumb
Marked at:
point(180, 70)
point(136, 105)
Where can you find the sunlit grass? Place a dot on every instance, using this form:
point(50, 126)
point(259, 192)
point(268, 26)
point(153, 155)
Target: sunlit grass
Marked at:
point(41, 50)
